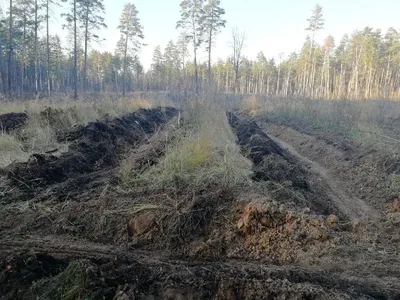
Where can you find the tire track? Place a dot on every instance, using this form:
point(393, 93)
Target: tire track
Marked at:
point(351, 206)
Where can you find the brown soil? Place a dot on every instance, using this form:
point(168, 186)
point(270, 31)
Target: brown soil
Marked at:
point(358, 170)
point(350, 206)
point(71, 229)
point(111, 273)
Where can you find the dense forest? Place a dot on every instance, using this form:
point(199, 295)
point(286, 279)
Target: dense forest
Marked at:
point(364, 64)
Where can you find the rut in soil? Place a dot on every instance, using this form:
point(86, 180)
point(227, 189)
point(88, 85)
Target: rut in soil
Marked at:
point(351, 206)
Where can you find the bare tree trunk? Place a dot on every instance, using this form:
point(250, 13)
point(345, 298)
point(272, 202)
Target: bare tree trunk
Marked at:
point(23, 66)
point(288, 78)
point(75, 54)
point(196, 71)
point(227, 81)
point(209, 51)
point(10, 51)
point(304, 81)
point(357, 73)
point(36, 51)
point(48, 48)
point(278, 81)
point(237, 45)
point(2, 72)
point(328, 81)
point(86, 47)
point(124, 66)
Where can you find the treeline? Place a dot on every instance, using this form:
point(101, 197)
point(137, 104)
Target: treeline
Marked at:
point(34, 61)
point(362, 65)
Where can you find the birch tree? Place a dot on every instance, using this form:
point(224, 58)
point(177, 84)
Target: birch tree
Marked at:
point(237, 44)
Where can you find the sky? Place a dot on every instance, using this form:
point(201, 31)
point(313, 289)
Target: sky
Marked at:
point(271, 26)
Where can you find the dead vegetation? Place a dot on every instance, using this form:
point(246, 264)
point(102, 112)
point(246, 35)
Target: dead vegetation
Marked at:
point(195, 204)
point(373, 122)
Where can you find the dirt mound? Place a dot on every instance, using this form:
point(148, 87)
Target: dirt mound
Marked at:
point(270, 231)
point(55, 116)
point(257, 143)
point(171, 219)
point(12, 121)
point(271, 162)
point(94, 147)
point(394, 206)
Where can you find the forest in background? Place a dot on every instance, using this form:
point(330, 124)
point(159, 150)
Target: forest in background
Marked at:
point(362, 65)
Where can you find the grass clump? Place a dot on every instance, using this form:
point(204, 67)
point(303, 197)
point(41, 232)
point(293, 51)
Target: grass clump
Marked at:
point(10, 150)
point(72, 284)
point(192, 154)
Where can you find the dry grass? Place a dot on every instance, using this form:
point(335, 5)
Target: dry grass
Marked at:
point(204, 152)
point(85, 110)
point(47, 118)
point(200, 163)
point(11, 150)
point(371, 121)
point(395, 185)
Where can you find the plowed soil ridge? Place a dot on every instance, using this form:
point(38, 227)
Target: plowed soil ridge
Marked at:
point(12, 121)
point(94, 148)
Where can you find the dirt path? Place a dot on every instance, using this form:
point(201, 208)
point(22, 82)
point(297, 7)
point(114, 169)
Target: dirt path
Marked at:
point(172, 278)
point(351, 206)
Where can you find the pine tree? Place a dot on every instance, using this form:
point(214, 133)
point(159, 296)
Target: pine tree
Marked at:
point(157, 68)
point(91, 20)
point(182, 47)
point(191, 22)
point(316, 23)
point(132, 33)
point(10, 49)
point(212, 22)
point(172, 63)
point(23, 12)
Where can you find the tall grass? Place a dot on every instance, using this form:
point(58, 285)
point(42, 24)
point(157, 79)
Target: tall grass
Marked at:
point(85, 109)
point(370, 121)
point(204, 152)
